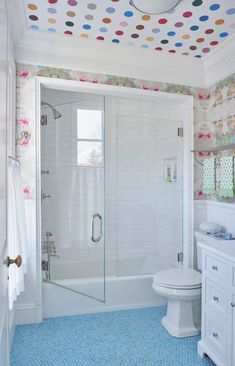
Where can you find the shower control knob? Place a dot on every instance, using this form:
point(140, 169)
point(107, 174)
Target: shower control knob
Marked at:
point(46, 172)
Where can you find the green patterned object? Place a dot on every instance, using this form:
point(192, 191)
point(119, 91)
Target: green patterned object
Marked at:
point(227, 176)
point(209, 176)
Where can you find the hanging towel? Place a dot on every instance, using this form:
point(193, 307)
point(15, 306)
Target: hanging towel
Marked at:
point(227, 176)
point(17, 237)
point(209, 176)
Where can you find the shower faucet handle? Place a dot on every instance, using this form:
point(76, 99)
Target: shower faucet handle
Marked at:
point(46, 172)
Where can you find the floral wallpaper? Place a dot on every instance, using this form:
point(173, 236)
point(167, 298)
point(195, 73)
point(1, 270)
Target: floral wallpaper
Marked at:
point(214, 115)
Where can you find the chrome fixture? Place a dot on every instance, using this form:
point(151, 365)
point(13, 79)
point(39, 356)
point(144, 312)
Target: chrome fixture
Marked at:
point(46, 172)
point(98, 238)
point(154, 6)
point(48, 248)
point(56, 114)
point(45, 196)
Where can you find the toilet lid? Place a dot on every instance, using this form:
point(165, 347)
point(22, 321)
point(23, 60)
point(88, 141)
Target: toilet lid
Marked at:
point(178, 278)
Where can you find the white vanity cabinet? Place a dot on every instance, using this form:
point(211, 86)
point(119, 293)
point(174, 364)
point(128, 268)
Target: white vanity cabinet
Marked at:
point(218, 300)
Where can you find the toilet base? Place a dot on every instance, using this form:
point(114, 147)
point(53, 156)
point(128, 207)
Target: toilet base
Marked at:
point(179, 320)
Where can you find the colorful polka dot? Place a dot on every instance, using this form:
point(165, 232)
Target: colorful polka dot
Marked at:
point(85, 35)
point(33, 17)
point(103, 30)
point(128, 14)
point(91, 6)
point(209, 31)
point(193, 48)
point(214, 7)
point(186, 36)
point(187, 14)
point(179, 24)
point(200, 40)
point(135, 35)
point(110, 10)
point(194, 28)
point(219, 21)
point(32, 7)
point(146, 17)
point(72, 2)
point(69, 33)
point(172, 51)
point(100, 38)
point(70, 14)
point(52, 10)
point(150, 39)
point(34, 27)
point(50, 29)
point(203, 18)
point(51, 20)
point(230, 11)
point(107, 20)
point(119, 33)
point(162, 21)
point(140, 27)
point(178, 44)
point(171, 33)
point(223, 34)
point(52, 1)
point(164, 41)
point(214, 43)
point(155, 30)
point(115, 40)
point(85, 26)
point(197, 3)
point(123, 24)
point(89, 17)
point(206, 50)
point(158, 48)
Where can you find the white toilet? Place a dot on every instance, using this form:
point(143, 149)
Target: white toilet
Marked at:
point(182, 289)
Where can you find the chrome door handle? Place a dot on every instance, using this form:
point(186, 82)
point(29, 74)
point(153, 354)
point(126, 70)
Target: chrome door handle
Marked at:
point(96, 240)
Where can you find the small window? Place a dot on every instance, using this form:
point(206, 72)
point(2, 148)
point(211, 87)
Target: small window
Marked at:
point(89, 138)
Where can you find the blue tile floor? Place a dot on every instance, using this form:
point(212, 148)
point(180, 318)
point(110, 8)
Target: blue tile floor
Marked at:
point(122, 338)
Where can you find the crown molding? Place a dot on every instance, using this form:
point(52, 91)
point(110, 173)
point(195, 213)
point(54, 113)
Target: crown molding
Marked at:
point(38, 47)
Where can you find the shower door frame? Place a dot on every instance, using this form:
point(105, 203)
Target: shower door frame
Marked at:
point(186, 104)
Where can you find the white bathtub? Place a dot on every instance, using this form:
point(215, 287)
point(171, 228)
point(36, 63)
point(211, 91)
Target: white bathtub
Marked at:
point(121, 293)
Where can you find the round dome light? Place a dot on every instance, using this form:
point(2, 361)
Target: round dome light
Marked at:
point(154, 6)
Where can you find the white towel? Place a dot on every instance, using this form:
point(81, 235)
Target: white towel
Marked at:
point(17, 236)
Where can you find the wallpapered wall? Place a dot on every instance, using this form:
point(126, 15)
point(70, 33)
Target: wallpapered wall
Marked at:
point(214, 115)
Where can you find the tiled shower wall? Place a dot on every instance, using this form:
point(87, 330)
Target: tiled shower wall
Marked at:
point(140, 206)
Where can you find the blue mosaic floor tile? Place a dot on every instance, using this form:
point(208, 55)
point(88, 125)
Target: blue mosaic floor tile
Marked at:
point(122, 338)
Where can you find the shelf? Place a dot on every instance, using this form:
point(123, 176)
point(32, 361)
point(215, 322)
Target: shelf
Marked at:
point(216, 149)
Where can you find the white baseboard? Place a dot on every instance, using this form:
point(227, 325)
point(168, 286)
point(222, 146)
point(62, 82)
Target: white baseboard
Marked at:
point(27, 314)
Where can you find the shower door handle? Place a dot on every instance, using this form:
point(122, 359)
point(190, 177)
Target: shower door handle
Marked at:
point(98, 216)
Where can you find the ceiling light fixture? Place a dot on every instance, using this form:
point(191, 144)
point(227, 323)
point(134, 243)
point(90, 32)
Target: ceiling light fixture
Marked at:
point(154, 6)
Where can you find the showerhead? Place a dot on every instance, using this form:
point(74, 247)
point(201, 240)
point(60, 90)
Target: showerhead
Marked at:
point(56, 114)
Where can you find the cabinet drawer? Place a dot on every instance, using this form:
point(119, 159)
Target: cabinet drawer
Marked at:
point(216, 333)
point(216, 298)
point(217, 268)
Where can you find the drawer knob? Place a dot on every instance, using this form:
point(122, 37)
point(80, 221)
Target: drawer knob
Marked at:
point(215, 268)
point(215, 298)
point(233, 304)
point(215, 335)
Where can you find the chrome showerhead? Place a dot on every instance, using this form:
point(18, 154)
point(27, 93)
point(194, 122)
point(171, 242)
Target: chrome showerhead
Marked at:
point(56, 114)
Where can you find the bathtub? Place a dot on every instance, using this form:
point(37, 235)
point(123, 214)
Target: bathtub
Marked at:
point(126, 292)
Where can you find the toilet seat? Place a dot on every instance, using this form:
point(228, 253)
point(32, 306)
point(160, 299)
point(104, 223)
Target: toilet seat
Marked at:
point(178, 278)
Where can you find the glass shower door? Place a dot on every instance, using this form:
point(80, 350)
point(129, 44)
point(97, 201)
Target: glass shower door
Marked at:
point(73, 194)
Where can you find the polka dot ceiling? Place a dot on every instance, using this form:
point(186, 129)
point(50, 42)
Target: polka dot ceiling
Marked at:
point(193, 28)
